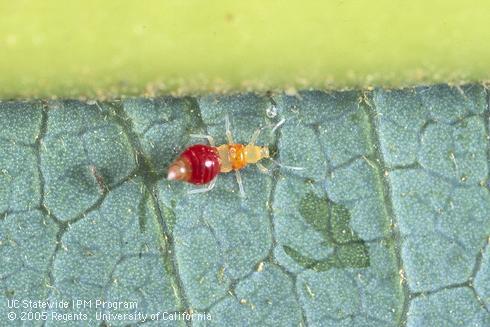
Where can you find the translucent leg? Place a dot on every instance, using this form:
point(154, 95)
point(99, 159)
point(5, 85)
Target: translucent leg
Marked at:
point(240, 183)
point(203, 136)
point(255, 136)
point(263, 169)
point(229, 136)
point(203, 189)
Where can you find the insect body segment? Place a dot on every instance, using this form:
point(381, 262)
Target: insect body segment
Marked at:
point(198, 164)
point(238, 156)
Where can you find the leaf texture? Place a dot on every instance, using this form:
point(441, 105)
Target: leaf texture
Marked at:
point(388, 223)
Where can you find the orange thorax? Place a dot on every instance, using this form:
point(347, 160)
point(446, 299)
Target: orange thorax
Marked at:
point(237, 156)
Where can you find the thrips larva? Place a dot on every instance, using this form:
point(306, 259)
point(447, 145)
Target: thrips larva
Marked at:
point(200, 164)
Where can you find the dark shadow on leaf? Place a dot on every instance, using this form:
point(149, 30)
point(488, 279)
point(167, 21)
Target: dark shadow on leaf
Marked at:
point(331, 220)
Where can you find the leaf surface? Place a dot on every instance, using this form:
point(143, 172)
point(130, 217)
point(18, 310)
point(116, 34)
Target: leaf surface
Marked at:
point(387, 224)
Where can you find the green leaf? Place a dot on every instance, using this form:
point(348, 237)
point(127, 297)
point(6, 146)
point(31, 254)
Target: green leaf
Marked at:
point(107, 48)
point(387, 224)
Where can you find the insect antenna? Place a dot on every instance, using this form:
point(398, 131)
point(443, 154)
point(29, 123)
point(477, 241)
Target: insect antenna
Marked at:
point(282, 121)
point(257, 132)
point(273, 130)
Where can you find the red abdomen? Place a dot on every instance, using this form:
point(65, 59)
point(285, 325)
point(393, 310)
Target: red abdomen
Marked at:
point(204, 163)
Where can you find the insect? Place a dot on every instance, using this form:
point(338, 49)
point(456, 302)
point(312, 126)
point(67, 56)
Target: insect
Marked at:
point(200, 164)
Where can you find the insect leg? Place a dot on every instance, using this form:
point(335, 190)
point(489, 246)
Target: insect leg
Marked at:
point(229, 136)
point(240, 183)
point(255, 136)
point(203, 189)
point(203, 136)
point(263, 169)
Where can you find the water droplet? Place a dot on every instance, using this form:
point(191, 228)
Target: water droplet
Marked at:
point(271, 112)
